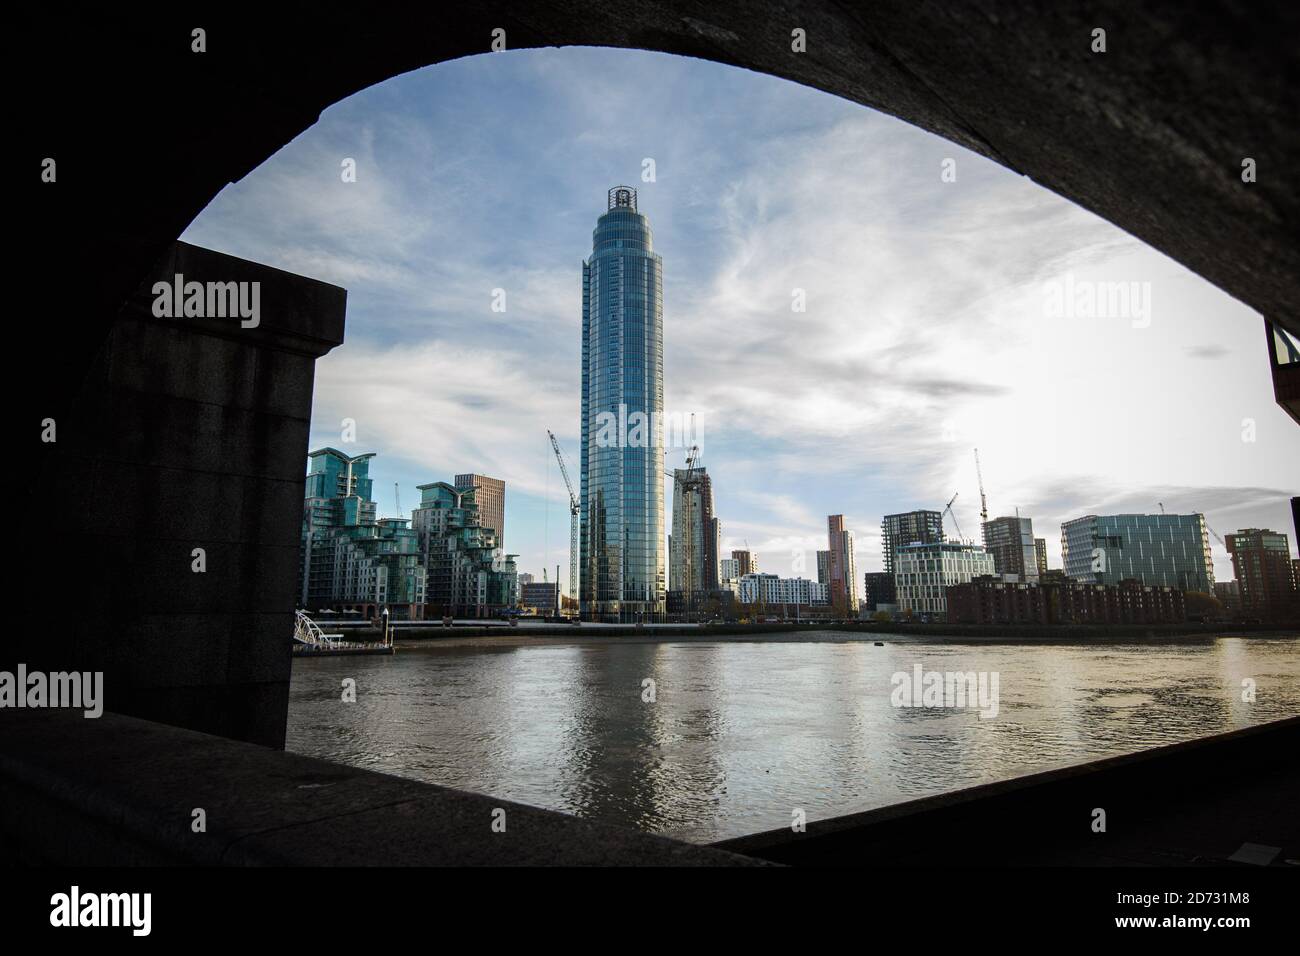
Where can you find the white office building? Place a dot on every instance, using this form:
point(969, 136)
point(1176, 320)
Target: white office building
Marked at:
point(770, 589)
point(924, 571)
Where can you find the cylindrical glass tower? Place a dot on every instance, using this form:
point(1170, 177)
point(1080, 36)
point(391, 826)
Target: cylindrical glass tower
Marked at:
point(622, 521)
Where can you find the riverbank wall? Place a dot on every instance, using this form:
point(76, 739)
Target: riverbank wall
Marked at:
point(414, 635)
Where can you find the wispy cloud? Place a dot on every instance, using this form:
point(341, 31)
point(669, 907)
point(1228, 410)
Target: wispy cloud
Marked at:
point(924, 332)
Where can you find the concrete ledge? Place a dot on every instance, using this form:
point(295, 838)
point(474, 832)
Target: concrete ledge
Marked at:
point(1186, 804)
point(118, 790)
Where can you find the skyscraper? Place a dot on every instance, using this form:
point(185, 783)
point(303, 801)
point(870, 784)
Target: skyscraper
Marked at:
point(910, 527)
point(842, 566)
point(693, 561)
point(621, 529)
point(491, 498)
point(1011, 542)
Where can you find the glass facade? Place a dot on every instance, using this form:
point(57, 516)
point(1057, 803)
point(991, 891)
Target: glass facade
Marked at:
point(1168, 550)
point(621, 549)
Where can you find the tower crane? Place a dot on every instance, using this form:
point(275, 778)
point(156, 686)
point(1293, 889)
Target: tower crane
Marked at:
point(984, 505)
point(949, 512)
point(573, 521)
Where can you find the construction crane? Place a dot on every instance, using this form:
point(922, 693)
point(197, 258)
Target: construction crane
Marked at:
point(397, 493)
point(949, 512)
point(984, 505)
point(573, 523)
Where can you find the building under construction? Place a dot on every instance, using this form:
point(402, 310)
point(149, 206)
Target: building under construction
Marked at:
point(693, 545)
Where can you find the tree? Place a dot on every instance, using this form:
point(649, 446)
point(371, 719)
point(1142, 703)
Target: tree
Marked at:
point(1203, 606)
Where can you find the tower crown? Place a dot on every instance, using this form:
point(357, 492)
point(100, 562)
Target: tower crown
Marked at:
point(622, 197)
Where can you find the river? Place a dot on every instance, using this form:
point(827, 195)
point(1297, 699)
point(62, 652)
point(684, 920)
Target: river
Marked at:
point(741, 734)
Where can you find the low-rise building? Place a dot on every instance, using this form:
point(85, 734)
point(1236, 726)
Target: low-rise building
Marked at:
point(1058, 599)
point(540, 597)
point(877, 589)
point(770, 590)
point(1229, 596)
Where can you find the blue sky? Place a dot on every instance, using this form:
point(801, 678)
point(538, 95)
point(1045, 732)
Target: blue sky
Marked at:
point(925, 332)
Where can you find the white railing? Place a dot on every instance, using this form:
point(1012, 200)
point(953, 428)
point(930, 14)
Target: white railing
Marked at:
point(307, 631)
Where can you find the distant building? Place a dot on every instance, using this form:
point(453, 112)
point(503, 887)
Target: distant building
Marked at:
point(1040, 554)
point(539, 596)
point(1229, 596)
point(910, 527)
point(747, 562)
point(925, 572)
point(1058, 599)
point(525, 578)
point(1011, 542)
point(468, 573)
point(877, 589)
point(491, 500)
point(1261, 560)
point(347, 559)
point(842, 567)
point(728, 569)
point(824, 567)
point(770, 590)
point(1165, 550)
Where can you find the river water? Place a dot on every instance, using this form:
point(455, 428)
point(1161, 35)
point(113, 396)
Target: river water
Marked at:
point(739, 735)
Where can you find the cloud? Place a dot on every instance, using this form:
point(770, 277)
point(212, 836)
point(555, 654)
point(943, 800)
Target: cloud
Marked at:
point(923, 335)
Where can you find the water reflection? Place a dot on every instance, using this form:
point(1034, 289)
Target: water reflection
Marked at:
point(739, 735)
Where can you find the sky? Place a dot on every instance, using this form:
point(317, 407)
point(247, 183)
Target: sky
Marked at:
point(945, 308)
